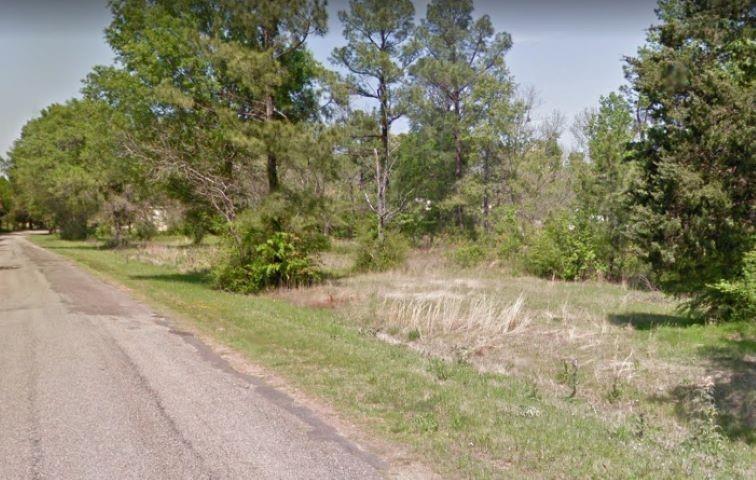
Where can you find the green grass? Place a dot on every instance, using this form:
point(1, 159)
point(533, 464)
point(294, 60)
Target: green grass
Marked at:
point(463, 423)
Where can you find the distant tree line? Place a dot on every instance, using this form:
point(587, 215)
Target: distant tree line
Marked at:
point(217, 110)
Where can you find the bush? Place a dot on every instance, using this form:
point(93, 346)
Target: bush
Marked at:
point(469, 255)
point(197, 223)
point(270, 247)
point(509, 234)
point(567, 248)
point(279, 261)
point(730, 300)
point(379, 255)
point(73, 228)
point(145, 230)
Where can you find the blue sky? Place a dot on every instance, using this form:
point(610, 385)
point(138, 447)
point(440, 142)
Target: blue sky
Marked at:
point(570, 51)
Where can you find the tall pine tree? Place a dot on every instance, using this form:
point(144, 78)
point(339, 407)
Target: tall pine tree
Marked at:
point(694, 199)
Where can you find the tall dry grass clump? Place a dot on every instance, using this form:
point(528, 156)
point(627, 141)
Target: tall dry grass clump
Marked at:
point(453, 314)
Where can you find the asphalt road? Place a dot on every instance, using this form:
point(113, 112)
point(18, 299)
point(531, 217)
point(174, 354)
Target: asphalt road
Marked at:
point(93, 385)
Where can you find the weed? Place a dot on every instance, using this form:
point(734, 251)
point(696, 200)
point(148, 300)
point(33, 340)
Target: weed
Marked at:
point(467, 256)
point(413, 335)
point(377, 255)
point(532, 391)
point(569, 376)
point(640, 425)
point(425, 422)
point(706, 434)
point(439, 369)
point(615, 392)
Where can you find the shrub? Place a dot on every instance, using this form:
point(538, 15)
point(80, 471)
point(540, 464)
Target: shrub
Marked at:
point(469, 255)
point(103, 232)
point(377, 255)
point(509, 234)
point(197, 223)
point(420, 219)
point(270, 246)
point(730, 300)
point(279, 261)
point(145, 230)
point(568, 248)
point(73, 228)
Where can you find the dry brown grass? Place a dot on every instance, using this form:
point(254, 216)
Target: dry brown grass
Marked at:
point(521, 326)
point(557, 337)
point(183, 257)
point(443, 313)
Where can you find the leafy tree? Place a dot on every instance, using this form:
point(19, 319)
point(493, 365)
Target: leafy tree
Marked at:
point(458, 54)
point(694, 198)
point(223, 90)
point(376, 31)
point(489, 138)
point(68, 167)
point(534, 179)
point(6, 199)
point(604, 175)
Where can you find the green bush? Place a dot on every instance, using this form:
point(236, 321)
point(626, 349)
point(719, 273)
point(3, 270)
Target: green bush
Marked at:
point(468, 255)
point(145, 230)
point(420, 219)
point(730, 300)
point(376, 255)
point(568, 248)
point(197, 223)
point(509, 234)
point(73, 228)
point(268, 247)
point(279, 261)
point(279, 214)
point(103, 232)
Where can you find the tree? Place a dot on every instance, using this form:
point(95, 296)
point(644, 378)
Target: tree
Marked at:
point(604, 175)
point(694, 197)
point(225, 89)
point(499, 116)
point(457, 55)
point(376, 31)
point(68, 166)
point(6, 198)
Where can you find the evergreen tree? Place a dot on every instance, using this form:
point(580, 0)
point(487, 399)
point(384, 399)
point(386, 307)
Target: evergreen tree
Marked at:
point(456, 55)
point(376, 31)
point(694, 198)
point(225, 91)
point(603, 178)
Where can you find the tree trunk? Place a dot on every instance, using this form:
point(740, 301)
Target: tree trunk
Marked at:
point(382, 163)
point(486, 182)
point(272, 166)
point(117, 225)
point(380, 202)
point(458, 160)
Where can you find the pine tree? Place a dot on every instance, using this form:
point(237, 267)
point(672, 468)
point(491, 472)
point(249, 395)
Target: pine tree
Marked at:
point(694, 198)
point(456, 55)
point(603, 178)
point(376, 31)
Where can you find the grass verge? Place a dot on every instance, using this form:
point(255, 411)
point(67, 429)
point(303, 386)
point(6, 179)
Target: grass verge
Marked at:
point(464, 423)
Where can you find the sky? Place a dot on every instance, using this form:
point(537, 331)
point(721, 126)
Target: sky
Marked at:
point(569, 51)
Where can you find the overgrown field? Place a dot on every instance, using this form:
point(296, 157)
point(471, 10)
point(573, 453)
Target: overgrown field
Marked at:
point(480, 373)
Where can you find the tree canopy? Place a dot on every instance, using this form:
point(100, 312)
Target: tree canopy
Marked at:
point(218, 112)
